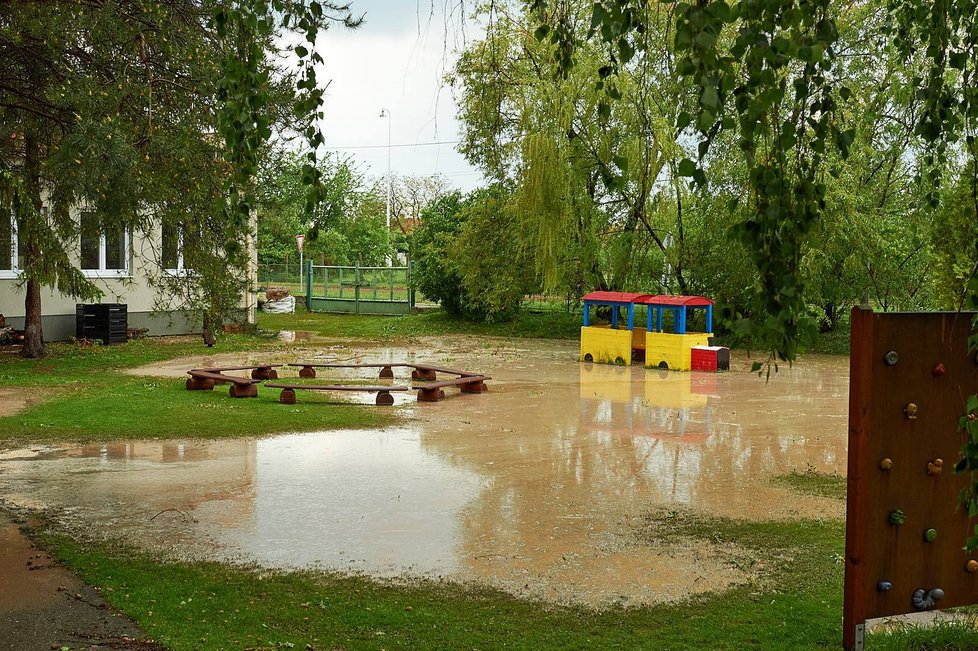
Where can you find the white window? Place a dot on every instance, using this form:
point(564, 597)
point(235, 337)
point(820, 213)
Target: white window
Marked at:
point(104, 254)
point(172, 257)
point(8, 246)
point(172, 254)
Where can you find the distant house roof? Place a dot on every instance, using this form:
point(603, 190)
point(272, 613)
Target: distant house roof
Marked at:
point(614, 297)
point(674, 301)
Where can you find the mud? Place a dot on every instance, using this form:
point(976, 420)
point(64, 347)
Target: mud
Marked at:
point(536, 487)
point(14, 401)
point(44, 606)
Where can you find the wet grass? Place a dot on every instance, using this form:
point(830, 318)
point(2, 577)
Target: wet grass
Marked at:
point(796, 604)
point(528, 324)
point(957, 635)
point(812, 482)
point(86, 396)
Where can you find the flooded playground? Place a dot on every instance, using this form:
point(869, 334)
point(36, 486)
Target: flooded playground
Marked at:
point(539, 487)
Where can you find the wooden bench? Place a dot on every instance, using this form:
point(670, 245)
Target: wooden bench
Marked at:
point(429, 372)
point(434, 391)
point(259, 372)
point(204, 380)
point(308, 369)
point(384, 396)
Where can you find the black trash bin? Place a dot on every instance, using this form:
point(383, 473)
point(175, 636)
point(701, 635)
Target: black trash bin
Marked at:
point(106, 321)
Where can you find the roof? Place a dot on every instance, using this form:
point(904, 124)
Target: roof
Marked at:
point(676, 301)
point(615, 297)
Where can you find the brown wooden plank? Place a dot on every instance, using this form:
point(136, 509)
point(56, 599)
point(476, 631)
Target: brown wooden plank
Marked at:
point(338, 387)
point(218, 377)
point(467, 379)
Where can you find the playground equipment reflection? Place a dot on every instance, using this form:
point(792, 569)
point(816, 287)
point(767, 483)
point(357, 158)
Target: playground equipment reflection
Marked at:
point(649, 404)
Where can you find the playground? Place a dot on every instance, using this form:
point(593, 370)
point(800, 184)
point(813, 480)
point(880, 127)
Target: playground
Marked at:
point(542, 487)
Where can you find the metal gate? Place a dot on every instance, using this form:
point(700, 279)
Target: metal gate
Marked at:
point(359, 290)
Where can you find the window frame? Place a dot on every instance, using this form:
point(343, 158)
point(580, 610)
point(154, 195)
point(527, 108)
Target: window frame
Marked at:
point(181, 269)
point(14, 271)
point(102, 271)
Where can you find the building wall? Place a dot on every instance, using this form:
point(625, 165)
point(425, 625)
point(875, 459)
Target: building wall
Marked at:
point(144, 307)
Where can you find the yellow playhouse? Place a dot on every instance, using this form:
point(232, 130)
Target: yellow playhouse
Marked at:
point(613, 344)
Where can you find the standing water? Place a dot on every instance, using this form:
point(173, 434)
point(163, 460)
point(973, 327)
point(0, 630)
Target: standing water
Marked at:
point(538, 487)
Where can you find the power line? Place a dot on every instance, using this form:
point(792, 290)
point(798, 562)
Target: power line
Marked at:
point(416, 144)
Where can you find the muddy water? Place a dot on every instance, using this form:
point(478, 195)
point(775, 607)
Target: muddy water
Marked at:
point(536, 487)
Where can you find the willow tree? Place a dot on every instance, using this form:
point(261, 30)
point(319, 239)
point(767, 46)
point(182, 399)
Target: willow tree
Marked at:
point(588, 174)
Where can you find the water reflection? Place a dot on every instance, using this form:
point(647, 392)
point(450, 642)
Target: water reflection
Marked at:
point(535, 487)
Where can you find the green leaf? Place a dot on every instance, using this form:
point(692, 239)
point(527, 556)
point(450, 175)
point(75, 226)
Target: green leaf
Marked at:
point(301, 51)
point(686, 167)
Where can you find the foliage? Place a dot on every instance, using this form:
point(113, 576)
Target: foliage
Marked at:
point(495, 272)
point(347, 225)
point(435, 274)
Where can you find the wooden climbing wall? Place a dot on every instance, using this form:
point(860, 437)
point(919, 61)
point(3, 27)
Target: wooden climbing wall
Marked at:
point(910, 375)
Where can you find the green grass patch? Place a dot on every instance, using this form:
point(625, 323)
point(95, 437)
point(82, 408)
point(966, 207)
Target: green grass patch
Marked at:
point(956, 635)
point(203, 605)
point(812, 482)
point(128, 407)
point(529, 324)
point(87, 396)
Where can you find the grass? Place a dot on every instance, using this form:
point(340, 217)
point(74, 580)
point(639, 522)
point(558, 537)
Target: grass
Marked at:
point(527, 324)
point(812, 482)
point(87, 396)
point(204, 605)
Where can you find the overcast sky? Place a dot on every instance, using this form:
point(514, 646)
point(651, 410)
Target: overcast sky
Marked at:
point(396, 60)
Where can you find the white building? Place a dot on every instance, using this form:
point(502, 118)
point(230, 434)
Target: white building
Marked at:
point(121, 265)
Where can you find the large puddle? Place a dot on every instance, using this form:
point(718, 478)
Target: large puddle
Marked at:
point(536, 487)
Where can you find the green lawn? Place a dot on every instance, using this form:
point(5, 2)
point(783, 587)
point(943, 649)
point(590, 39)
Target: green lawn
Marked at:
point(85, 395)
point(206, 605)
point(796, 604)
point(555, 325)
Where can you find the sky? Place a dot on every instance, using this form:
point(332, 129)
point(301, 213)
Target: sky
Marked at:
point(396, 61)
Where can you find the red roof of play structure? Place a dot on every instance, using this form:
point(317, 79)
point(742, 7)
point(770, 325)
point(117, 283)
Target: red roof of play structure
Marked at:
point(614, 297)
point(647, 299)
point(665, 299)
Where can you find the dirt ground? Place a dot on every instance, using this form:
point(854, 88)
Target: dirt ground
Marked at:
point(43, 605)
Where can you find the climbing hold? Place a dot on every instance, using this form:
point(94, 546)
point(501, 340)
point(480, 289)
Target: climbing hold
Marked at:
point(911, 411)
point(971, 566)
point(891, 358)
point(886, 464)
point(935, 467)
point(938, 370)
point(897, 517)
point(926, 599)
point(930, 535)
point(884, 586)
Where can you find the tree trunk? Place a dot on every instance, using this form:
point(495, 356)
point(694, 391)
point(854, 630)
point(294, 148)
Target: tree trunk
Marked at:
point(33, 336)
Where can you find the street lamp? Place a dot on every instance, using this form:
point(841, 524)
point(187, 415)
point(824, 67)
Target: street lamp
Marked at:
point(386, 113)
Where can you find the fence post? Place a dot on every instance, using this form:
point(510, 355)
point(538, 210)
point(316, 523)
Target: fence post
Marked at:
point(308, 275)
point(356, 288)
point(410, 282)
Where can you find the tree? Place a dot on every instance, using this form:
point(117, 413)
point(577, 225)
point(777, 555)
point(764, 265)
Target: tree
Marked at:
point(109, 105)
point(100, 105)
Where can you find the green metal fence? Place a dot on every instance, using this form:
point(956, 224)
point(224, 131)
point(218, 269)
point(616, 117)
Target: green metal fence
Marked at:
point(359, 290)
